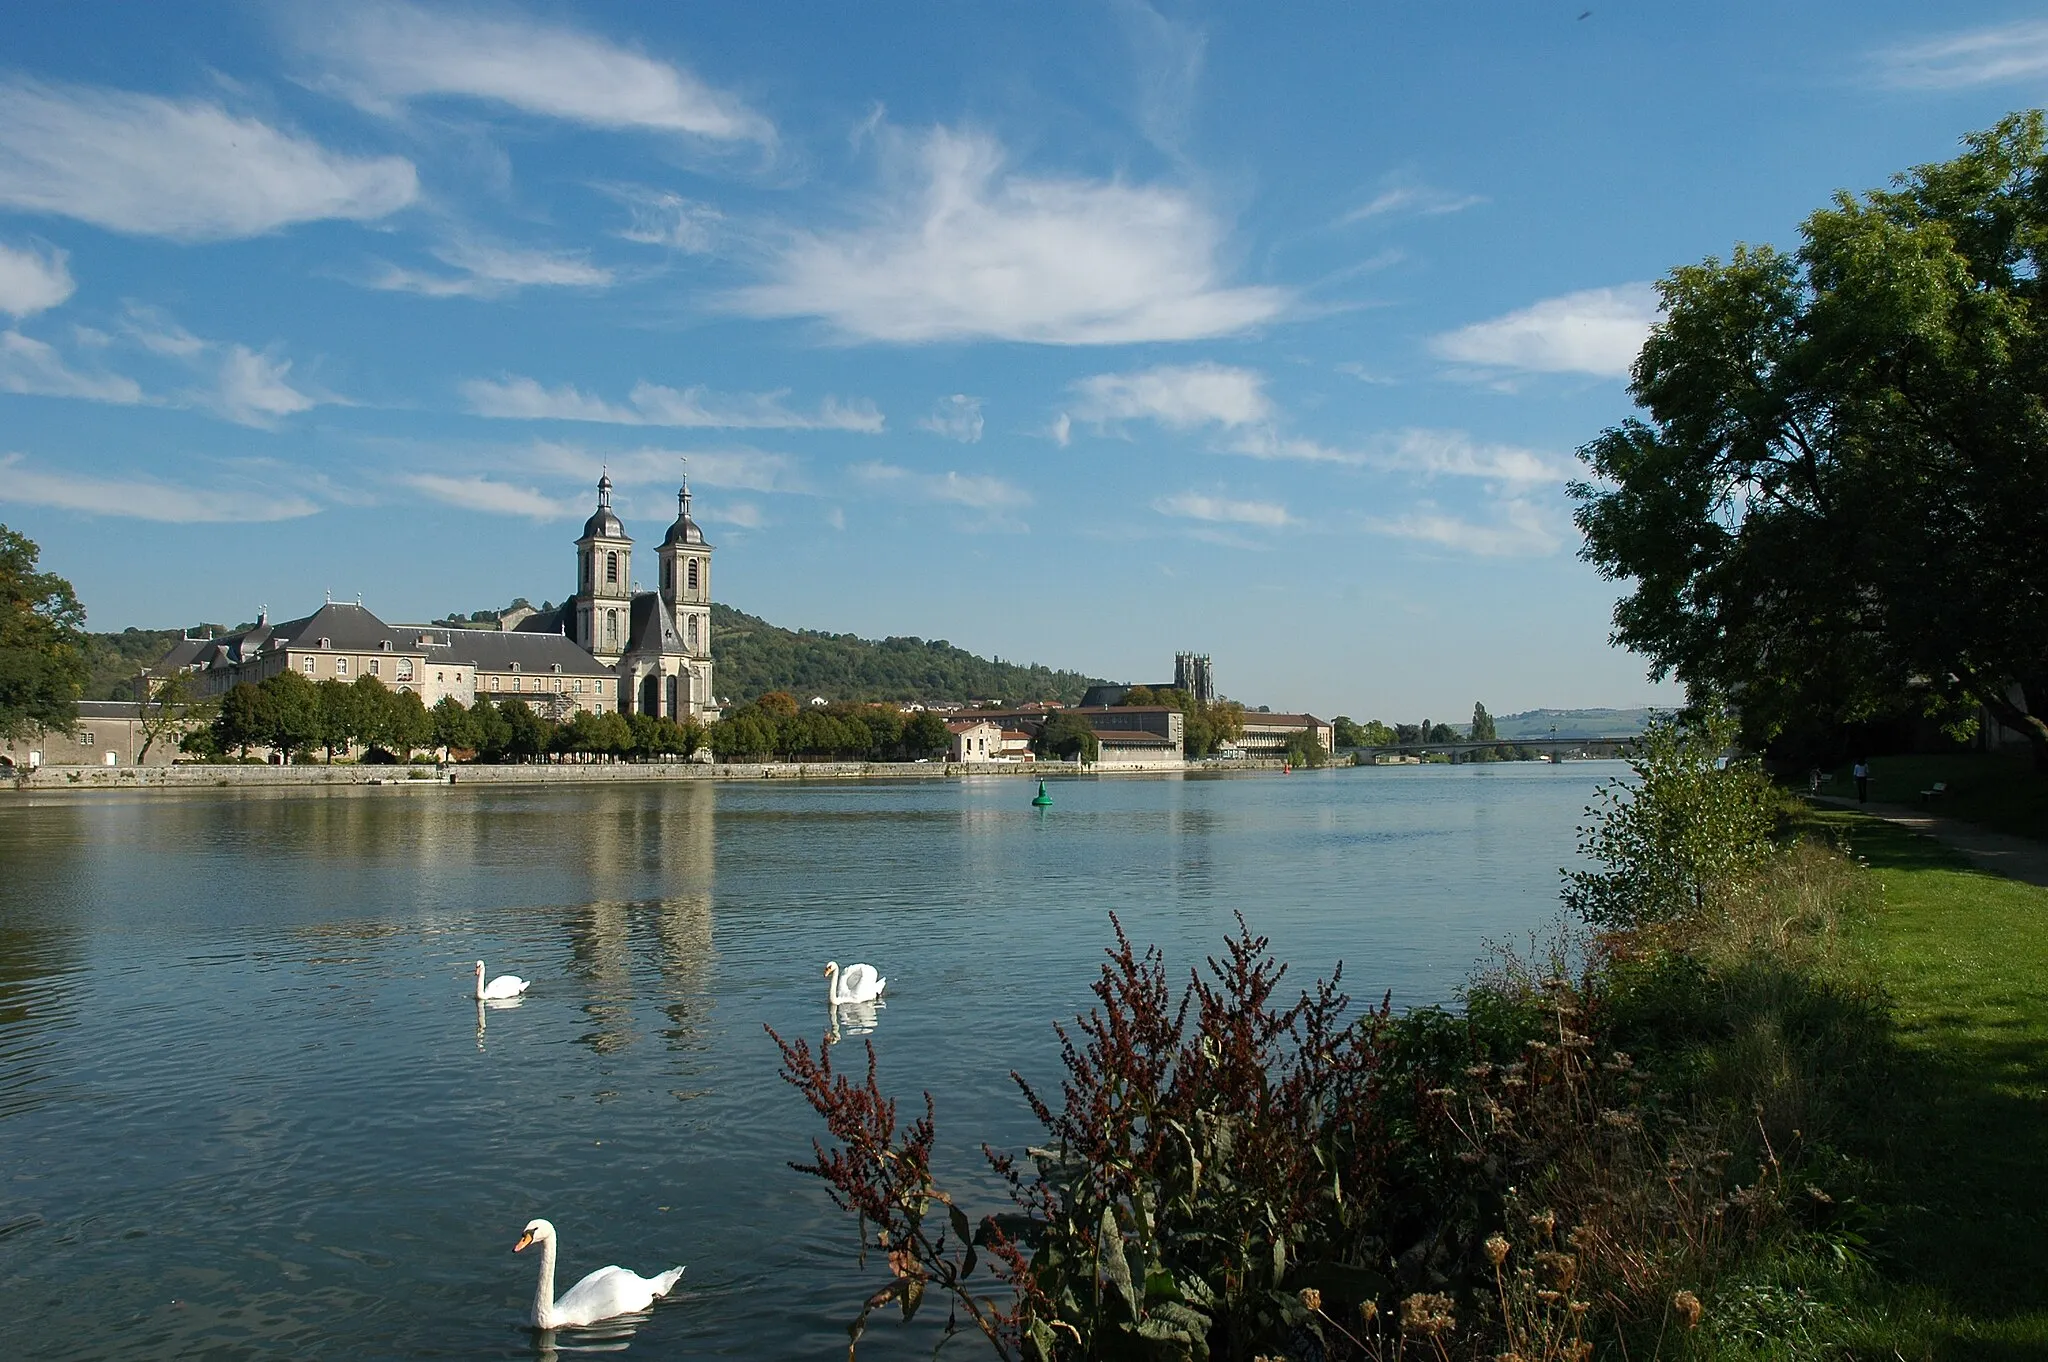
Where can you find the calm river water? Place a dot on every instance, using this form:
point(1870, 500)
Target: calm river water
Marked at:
point(248, 1109)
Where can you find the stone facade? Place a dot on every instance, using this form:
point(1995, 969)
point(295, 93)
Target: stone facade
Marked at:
point(607, 648)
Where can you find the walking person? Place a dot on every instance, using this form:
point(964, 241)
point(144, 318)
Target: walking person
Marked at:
point(1861, 770)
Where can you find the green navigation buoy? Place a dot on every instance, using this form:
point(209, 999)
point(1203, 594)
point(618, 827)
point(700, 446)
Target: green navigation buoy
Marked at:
point(1044, 800)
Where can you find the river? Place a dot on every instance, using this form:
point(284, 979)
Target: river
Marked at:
point(248, 1108)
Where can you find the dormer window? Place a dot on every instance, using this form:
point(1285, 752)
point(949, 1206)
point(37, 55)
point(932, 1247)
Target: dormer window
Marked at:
point(555, 668)
point(515, 666)
point(385, 645)
point(326, 643)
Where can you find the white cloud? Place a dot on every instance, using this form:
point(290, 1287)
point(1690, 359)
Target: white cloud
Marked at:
point(748, 470)
point(381, 54)
point(188, 170)
point(1978, 56)
point(489, 496)
point(1421, 452)
point(31, 367)
point(664, 219)
point(254, 389)
point(1595, 331)
point(490, 271)
point(1062, 430)
point(32, 281)
point(957, 418)
point(144, 499)
point(743, 515)
point(1222, 510)
point(1418, 200)
point(1177, 396)
point(652, 404)
point(971, 251)
point(1520, 530)
point(980, 491)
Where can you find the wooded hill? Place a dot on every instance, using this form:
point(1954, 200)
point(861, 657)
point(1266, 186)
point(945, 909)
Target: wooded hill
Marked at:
point(752, 657)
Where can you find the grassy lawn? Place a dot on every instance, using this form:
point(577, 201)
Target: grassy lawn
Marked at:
point(1996, 790)
point(1963, 1229)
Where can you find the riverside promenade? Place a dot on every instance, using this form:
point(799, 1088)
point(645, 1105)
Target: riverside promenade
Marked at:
point(2018, 858)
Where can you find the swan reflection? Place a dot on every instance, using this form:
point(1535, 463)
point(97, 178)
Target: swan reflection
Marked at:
point(855, 1019)
point(612, 1336)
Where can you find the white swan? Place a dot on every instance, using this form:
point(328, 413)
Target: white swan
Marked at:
point(500, 988)
point(604, 1293)
point(859, 984)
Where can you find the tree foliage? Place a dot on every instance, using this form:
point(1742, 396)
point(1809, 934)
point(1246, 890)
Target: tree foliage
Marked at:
point(1068, 736)
point(754, 656)
point(1681, 835)
point(1834, 507)
point(42, 666)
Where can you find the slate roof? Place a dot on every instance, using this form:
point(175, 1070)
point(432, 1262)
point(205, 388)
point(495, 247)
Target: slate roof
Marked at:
point(652, 630)
point(110, 709)
point(490, 650)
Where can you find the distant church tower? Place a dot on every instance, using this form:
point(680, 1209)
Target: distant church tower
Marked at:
point(604, 582)
point(686, 599)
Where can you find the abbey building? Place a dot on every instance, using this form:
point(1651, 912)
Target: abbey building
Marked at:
point(606, 648)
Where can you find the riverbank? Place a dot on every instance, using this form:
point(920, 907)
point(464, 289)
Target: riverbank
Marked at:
point(58, 779)
point(1939, 1215)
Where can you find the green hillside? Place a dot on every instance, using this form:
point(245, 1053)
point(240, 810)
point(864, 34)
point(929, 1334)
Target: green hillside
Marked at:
point(1572, 723)
point(754, 656)
point(114, 659)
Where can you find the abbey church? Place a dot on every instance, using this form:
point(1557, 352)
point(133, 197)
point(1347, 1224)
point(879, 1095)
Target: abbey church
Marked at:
point(607, 648)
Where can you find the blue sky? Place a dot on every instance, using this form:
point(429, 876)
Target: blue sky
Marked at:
point(1070, 333)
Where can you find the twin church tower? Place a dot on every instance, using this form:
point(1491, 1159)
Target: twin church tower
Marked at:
point(658, 642)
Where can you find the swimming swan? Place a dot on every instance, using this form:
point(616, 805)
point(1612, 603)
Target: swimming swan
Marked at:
point(504, 986)
point(604, 1293)
point(860, 984)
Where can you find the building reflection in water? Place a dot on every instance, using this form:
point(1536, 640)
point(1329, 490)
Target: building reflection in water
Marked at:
point(666, 840)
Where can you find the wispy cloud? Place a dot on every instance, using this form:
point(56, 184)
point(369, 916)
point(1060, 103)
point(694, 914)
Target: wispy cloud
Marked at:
point(34, 368)
point(143, 498)
point(652, 404)
point(32, 281)
point(743, 515)
point(1168, 66)
point(1413, 200)
point(1177, 396)
point(489, 496)
point(957, 418)
point(746, 470)
point(255, 389)
point(1220, 510)
point(1596, 331)
point(1520, 530)
point(184, 169)
point(965, 249)
point(1994, 55)
point(1419, 452)
point(486, 271)
point(381, 55)
point(661, 218)
point(980, 491)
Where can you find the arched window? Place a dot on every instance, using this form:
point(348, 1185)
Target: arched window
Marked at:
point(611, 567)
point(693, 633)
point(693, 574)
point(668, 574)
point(611, 626)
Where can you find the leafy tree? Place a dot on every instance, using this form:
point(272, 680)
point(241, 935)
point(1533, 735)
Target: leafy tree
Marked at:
point(455, 727)
point(202, 742)
point(778, 705)
point(925, 735)
point(529, 734)
point(1305, 749)
point(1372, 733)
point(493, 730)
point(1482, 725)
point(242, 721)
point(1684, 832)
point(292, 710)
point(1067, 735)
point(42, 664)
point(407, 723)
point(744, 735)
point(343, 715)
point(1834, 508)
point(171, 712)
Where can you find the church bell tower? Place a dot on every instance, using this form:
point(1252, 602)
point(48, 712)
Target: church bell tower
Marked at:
point(604, 581)
point(686, 596)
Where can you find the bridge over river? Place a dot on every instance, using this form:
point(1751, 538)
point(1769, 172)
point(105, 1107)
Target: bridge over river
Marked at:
point(1557, 746)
